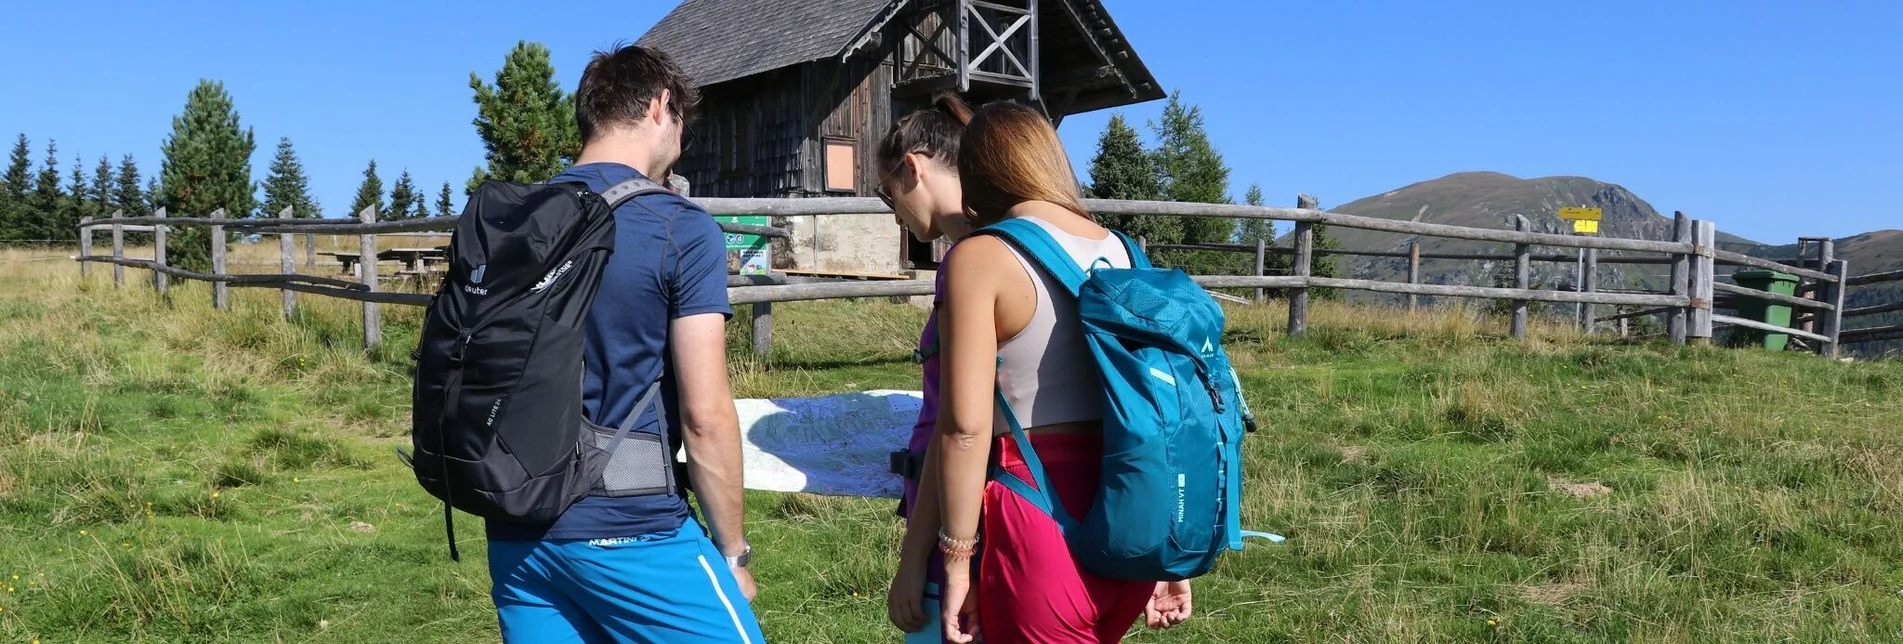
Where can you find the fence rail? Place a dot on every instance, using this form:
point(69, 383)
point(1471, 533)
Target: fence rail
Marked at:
point(1688, 304)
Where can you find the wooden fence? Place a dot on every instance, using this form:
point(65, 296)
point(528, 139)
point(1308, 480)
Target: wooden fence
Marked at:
point(1688, 303)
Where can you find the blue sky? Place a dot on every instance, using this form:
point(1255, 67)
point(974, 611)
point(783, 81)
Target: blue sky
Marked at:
point(1774, 119)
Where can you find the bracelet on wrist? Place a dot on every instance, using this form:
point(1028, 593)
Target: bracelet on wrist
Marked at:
point(957, 548)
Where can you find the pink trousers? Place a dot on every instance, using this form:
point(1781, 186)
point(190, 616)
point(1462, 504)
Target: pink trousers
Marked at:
point(1029, 587)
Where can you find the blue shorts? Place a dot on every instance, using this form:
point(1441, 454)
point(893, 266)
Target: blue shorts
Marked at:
point(670, 586)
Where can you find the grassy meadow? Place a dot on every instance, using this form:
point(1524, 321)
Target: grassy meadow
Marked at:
point(171, 473)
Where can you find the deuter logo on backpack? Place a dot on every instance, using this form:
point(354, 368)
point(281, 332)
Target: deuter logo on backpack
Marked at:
point(475, 277)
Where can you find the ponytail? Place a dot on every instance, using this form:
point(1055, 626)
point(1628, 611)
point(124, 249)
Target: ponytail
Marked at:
point(932, 131)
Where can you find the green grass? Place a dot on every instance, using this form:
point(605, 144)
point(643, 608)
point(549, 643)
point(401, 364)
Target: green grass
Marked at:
point(175, 474)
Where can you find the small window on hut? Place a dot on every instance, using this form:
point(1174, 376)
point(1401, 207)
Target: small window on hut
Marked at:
point(842, 166)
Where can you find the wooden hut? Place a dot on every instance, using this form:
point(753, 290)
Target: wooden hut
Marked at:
point(796, 94)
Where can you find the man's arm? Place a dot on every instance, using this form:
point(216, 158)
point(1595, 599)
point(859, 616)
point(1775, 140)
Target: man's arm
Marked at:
point(709, 424)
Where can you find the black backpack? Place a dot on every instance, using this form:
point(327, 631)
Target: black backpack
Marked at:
point(497, 422)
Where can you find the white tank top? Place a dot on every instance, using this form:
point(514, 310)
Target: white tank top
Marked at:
point(1044, 374)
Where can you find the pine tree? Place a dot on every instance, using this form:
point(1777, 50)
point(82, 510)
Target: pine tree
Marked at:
point(403, 197)
point(370, 193)
point(526, 122)
point(1189, 169)
point(101, 190)
point(78, 202)
point(287, 187)
point(13, 186)
point(126, 193)
point(207, 166)
point(44, 206)
point(443, 203)
point(1122, 170)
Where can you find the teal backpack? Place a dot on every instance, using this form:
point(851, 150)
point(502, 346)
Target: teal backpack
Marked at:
point(1173, 419)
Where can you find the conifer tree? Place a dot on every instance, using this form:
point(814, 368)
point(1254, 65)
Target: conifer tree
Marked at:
point(207, 166)
point(525, 120)
point(287, 187)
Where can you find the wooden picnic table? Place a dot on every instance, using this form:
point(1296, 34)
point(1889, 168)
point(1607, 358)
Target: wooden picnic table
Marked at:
point(415, 260)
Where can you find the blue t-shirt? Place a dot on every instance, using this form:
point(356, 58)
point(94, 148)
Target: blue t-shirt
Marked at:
point(670, 261)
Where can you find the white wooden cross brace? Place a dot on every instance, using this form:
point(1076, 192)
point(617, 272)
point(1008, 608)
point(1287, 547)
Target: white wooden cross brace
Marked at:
point(998, 41)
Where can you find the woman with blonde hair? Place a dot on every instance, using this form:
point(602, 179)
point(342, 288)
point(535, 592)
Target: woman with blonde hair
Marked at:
point(1013, 349)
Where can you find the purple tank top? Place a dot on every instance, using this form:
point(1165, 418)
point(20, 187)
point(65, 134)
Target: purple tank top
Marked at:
point(927, 422)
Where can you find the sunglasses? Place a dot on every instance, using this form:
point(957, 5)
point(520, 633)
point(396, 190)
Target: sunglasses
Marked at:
point(878, 190)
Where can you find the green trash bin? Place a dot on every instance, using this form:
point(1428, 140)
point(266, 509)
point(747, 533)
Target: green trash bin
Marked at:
point(1751, 308)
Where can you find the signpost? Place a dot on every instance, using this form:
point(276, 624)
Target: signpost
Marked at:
point(1585, 222)
point(754, 258)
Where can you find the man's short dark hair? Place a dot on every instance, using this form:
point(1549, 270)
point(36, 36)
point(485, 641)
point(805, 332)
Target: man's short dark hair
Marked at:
point(618, 84)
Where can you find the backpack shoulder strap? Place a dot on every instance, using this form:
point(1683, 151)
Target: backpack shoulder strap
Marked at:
point(620, 193)
point(1138, 259)
point(1038, 247)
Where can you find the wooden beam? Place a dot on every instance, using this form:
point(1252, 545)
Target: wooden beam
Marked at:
point(372, 315)
point(158, 253)
point(85, 247)
point(1705, 236)
point(118, 250)
point(287, 262)
point(1874, 310)
point(1831, 322)
point(1636, 314)
point(248, 280)
point(1875, 334)
point(762, 328)
point(1875, 278)
point(1261, 245)
point(1678, 323)
point(1592, 286)
point(1772, 328)
point(1301, 267)
point(1096, 46)
point(1779, 298)
point(220, 295)
point(827, 291)
point(1741, 259)
point(1413, 272)
point(1522, 276)
point(1449, 290)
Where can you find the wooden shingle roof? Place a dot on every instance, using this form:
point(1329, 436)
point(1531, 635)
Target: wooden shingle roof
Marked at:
point(715, 41)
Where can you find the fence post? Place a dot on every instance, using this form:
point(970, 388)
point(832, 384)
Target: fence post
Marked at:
point(159, 281)
point(1413, 273)
point(118, 249)
point(1826, 251)
point(1681, 277)
point(762, 328)
point(220, 292)
point(1592, 286)
point(367, 262)
point(287, 262)
point(1302, 266)
point(1704, 274)
point(85, 247)
point(1261, 249)
point(1832, 321)
point(310, 252)
point(1522, 275)
point(1143, 244)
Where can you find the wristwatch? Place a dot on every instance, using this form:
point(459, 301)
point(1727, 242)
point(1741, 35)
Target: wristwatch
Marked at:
point(746, 556)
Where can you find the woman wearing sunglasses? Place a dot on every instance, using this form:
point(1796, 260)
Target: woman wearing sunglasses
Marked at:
point(918, 180)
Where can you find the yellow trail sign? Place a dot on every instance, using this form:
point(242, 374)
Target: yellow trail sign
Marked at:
point(1586, 226)
point(1579, 214)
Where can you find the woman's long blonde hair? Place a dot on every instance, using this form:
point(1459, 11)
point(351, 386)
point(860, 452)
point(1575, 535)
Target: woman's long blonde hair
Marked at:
point(1009, 155)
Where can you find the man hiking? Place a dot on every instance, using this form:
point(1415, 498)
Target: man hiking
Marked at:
point(643, 568)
